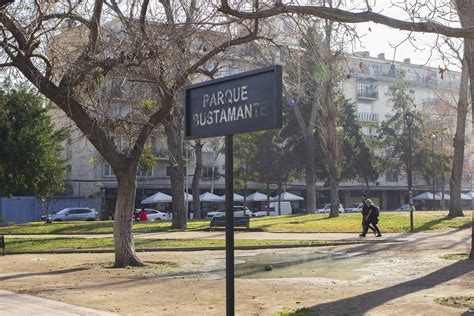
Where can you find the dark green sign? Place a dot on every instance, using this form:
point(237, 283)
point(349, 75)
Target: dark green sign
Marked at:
point(246, 102)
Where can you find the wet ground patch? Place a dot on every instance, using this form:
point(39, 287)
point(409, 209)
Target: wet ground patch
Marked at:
point(338, 266)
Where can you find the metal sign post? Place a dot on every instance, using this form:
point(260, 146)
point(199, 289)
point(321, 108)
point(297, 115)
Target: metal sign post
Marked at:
point(229, 233)
point(246, 102)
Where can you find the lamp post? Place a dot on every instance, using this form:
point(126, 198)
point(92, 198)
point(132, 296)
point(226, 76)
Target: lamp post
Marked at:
point(433, 137)
point(409, 122)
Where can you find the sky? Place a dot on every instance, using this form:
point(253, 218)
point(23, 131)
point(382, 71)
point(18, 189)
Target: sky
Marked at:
point(377, 38)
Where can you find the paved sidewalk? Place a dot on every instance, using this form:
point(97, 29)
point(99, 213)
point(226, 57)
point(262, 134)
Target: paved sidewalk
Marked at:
point(220, 235)
point(21, 304)
point(244, 235)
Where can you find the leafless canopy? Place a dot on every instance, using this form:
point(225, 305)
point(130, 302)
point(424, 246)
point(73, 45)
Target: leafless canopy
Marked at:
point(115, 67)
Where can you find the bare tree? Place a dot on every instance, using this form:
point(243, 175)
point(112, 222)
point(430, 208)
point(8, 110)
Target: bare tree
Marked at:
point(87, 55)
point(455, 206)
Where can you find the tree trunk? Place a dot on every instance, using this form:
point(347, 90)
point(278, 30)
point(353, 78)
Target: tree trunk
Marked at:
point(123, 222)
point(464, 9)
point(310, 174)
point(334, 199)
point(455, 207)
point(196, 179)
point(174, 139)
point(471, 256)
point(279, 196)
point(268, 199)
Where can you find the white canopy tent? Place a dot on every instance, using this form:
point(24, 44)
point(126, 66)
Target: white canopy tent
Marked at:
point(237, 197)
point(470, 194)
point(189, 197)
point(286, 196)
point(209, 197)
point(424, 196)
point(163, 198)
point(466, 197)
point(257, 197)
point(157, 198)
point(438, 196)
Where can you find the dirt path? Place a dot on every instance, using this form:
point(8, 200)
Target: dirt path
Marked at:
point(378, 279)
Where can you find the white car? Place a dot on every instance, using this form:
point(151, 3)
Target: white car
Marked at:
point(239, 211)
point(153, 215)
point(75, 214)
point(356, 207)
point(327, 209)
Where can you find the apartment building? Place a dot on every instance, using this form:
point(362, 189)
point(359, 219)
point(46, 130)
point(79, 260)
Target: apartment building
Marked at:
point(368, 83)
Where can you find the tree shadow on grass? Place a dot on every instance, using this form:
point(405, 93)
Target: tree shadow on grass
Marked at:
point(431, 224)
point(367, 301)
point(32, 274)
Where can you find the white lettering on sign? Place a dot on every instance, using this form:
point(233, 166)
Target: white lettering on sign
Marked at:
point(228, 96)
point(230, 114)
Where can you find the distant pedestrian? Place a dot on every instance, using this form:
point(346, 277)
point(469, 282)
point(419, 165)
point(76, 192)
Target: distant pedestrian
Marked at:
point(370, 217)
point(143, 215)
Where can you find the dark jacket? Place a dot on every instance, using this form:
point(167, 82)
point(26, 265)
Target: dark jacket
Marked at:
point(368, 205)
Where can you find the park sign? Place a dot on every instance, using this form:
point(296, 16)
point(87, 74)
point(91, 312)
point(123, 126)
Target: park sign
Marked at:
point(246, 102)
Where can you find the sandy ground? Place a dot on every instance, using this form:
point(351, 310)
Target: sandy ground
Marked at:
point(385, 279)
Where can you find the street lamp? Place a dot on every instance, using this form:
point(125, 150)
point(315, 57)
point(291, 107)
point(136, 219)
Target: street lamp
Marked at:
point(433, 137)
point(409, 121)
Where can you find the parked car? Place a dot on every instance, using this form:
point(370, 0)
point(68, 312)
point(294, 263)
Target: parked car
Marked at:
point(239, 211)
point(327, 209)
point(403, 207)
point(75, 214)
point(356, 207)
point(285, 209)
point(298, 210)
point(153, 215)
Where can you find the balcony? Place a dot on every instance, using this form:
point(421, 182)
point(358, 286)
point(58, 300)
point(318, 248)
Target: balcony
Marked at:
point(368, 117)
point(367, 94)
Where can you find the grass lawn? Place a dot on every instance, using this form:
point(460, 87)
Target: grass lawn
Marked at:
point(51, 244)
point(390, 222)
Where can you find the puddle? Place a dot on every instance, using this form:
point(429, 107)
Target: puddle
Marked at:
point(303, 265)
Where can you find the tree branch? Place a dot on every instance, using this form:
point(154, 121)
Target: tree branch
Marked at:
point(94, 25)
point(344, 16)
point(143, 14)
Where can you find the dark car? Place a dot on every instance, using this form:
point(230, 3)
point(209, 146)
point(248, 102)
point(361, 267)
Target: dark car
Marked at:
point(298, 210)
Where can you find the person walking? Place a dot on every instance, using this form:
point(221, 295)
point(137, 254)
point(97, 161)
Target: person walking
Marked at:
point(370, 217)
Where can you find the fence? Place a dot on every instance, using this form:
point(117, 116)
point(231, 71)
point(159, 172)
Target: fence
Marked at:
point(23, 209)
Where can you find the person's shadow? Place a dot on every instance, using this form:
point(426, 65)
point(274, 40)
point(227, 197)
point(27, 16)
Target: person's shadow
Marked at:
point(358, 305)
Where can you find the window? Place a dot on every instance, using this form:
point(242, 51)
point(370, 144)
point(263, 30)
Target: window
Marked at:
point(389, 111)
point(283, 54)
point(391, 175)
point(364, 108)
point(107, 170)
point(369, 131)
point(207, 172)
point(143, 173)
point(287, 26)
